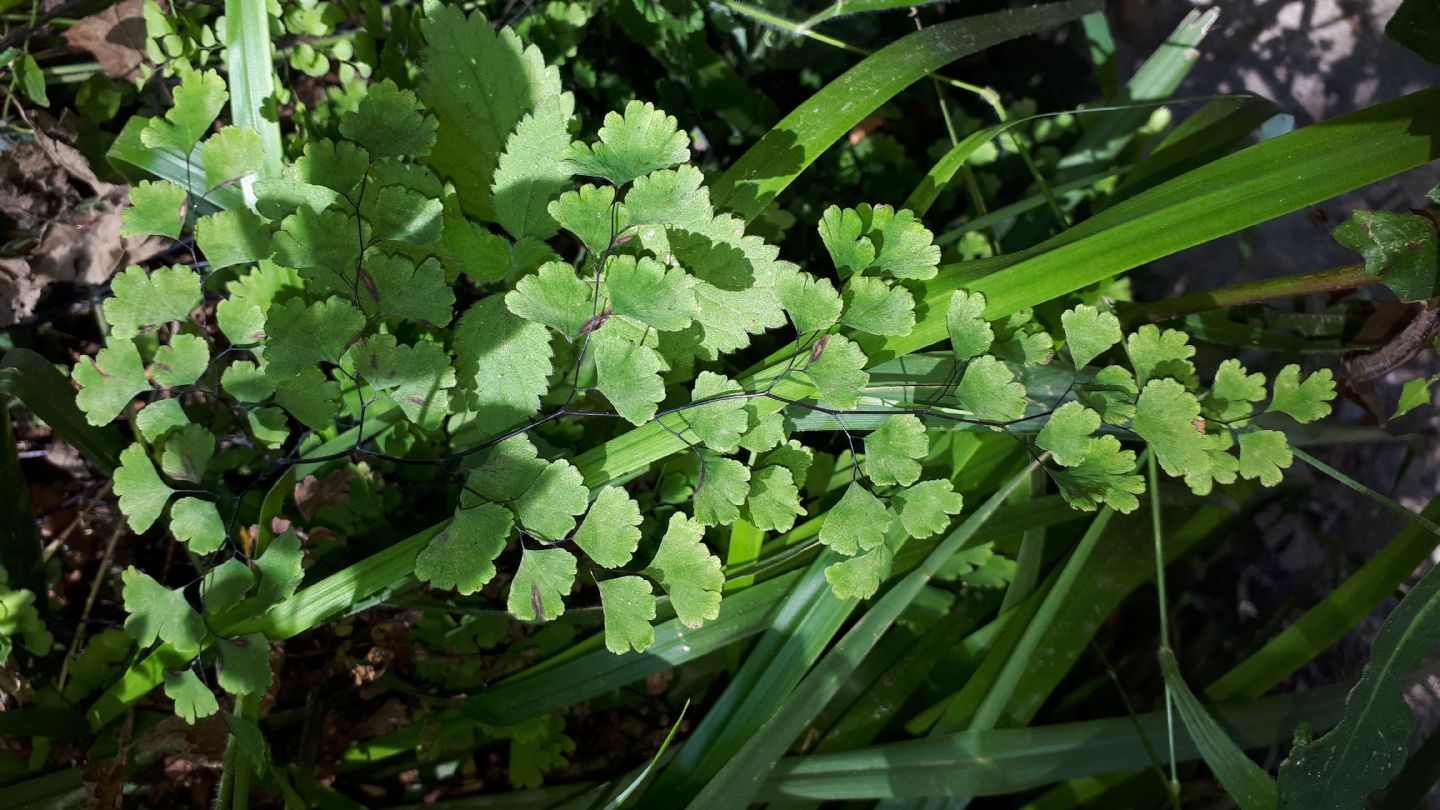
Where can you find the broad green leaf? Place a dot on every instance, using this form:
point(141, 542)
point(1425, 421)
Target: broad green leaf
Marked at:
point(198, 525)
point(181, 361)
point(198, 100)
point(301, 336)
point(641, 141)
point(224, 586)
point(187, 453)
point(857, 522)
point(842, 231)
point(837, 370)
point(1263, 454)
point(1068, 433)
point(269, 426)
point(1111, 394)
point(1155, 354)
point(310, 397)
point(506, 471)
point(925, 509)
point(791, 455)
point(765, 429)
point(875, 306)
point(970, 335)
point(278, 571)
point(193, 699)
point(245, 664)
point(418, 378)
point(628, 604)
point(478, 82)
point(860, 577)
point(230, 155)
point(592, 215)
point(156, 207)
point(719, 423)
point(142, 300)
point(247, 382)
point(645, 290)
point(1400, 248)
point(1106, 477)
point(159, 614)
point(905, 248)
point(503, 364)
point(400, 214)
point(689, 572)
point(1089, 333)
point(229, 238)
point(893, 451)
point(1414, 394)
point(109, 381)
point(610, 532)
point(324, 247)
point(462, 556)
point(142, 494)
point(531, 171)
point(628, 372)
point(722, 489)
point(1235, 390)
point(988, 390)
point(543, 580)
point(1304, 401)
point(774, 500)
point(389, 122)
point(1021, 339)
point(812, 303)
point(555, 297)
point(159, 417)
point(550, 504)
point(1167, 417)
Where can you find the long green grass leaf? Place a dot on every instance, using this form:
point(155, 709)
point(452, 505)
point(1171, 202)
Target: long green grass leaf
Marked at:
point(249, 59)
point(1247, 784)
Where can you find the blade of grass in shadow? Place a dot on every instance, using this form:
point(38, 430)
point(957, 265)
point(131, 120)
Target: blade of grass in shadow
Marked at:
point(20, 549)
point(742, 777)
point(619, 800)
point(1247, 784)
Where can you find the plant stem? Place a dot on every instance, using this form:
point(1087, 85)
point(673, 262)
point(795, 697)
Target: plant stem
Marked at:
point(1163, 598)
point(1347, 277)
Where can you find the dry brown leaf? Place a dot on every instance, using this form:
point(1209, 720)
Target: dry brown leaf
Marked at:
point(116, 36)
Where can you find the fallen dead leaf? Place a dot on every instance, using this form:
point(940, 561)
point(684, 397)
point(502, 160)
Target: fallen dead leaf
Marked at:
point(116, 36)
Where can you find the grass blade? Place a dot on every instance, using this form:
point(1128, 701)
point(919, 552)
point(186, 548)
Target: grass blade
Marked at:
point(20, 548)
point(251, 74)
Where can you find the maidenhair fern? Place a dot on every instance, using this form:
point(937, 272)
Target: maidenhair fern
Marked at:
point(368, 297)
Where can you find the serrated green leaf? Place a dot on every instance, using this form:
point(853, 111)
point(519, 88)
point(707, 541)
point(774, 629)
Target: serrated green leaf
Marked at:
point(301, 336)
point(278, 571)
point(842, 231)
point(197, 524)
point(1068, 433)
point(628, 372)
point(1234, 390)
point(1167, 417)
point(156, 207)
point(1111, 394)
point(324, 247)
point(242, 313)
point(543, 580)
point(647, 291)
point(231, 154)
point(1414, 394)
point(1021, 339)
point(592, 215)
point(159, 417)
point(310, 397)
point(857, 522)
point(791, 455)
point(893, 450)
point(245, 664)
point(418, 378)
point(159, 614)
point(142, 494)
point(837, 370)
point(610, 532)
point(1304, 401)
point(247, 382)
point(1155, 355)
point(628, 604)
point(505, 472)
point(925, 509)
point(764, 431)
point(229, 238)
point(193, 699)
point(719, 423)
point(556, 297)
point(551, 502)
point(1089, 333)
point(641, 141)
point(724, 487)
point(268, 425)
point(531, 172)
point(1263, 454)
point(503, 364)
point(389, 122)
point(970, 334)
point(187, 453)
point(873, 305)
point(225, 586)
point(1398, 247)
point(462, 556)
point(904, 247)
point(197, 101)
point(774, 500)
point(689, 572)
point(141, 301)
point(109, 381)
point(181, 361)
point(400, 214)
point(989, 391)
point(860, 577)
point(1106, 477)
point(812, 303)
